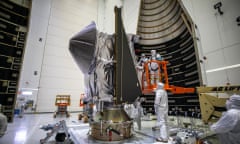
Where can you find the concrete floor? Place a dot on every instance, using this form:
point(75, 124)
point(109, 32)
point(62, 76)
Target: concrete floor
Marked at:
point(26, 130)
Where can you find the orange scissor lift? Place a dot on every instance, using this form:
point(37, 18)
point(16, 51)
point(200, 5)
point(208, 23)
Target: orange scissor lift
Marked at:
point(162, 76)
point(62, 102)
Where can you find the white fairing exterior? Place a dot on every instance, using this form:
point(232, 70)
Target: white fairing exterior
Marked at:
point(219, 40)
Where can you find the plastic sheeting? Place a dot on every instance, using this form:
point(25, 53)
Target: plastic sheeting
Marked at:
point(82, 47)
point(104, 67)
point(94, 54)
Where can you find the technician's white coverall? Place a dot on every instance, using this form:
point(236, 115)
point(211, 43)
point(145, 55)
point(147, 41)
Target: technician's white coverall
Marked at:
point(228, 126)
point(161, 110)
point(3, 124)
point(154, 68)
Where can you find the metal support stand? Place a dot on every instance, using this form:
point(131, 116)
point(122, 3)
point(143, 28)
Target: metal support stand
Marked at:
point(61, 130)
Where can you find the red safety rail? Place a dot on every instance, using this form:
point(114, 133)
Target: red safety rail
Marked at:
point(82, 95)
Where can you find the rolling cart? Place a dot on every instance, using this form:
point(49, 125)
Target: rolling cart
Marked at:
point(62, 102)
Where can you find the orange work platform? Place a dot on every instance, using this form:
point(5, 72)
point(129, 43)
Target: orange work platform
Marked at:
point(150, 79)
point(62, 102)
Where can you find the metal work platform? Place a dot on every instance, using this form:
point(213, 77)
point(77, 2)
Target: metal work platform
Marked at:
point(62, 102)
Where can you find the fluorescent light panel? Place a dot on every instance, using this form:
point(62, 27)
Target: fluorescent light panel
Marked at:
point(223, 68)
point(27, 92)
point(29, 89)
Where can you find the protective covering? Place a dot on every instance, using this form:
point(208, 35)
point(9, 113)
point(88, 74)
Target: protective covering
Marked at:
point(141, 61)
point(104, 66)
point(160, 86)
point(161, 110)
point(159, 57)
point(228, 126)
point(154, 68)
point(107, 74)
point(233, 102)
point(94, 54)
point(82, 47)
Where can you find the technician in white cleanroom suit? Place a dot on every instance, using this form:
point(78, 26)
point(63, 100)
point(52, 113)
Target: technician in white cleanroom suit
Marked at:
point(140, 68)
point(154, 68)
point(143, 59)
point(228, 126)
point(3, 123)
point(161, 110)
